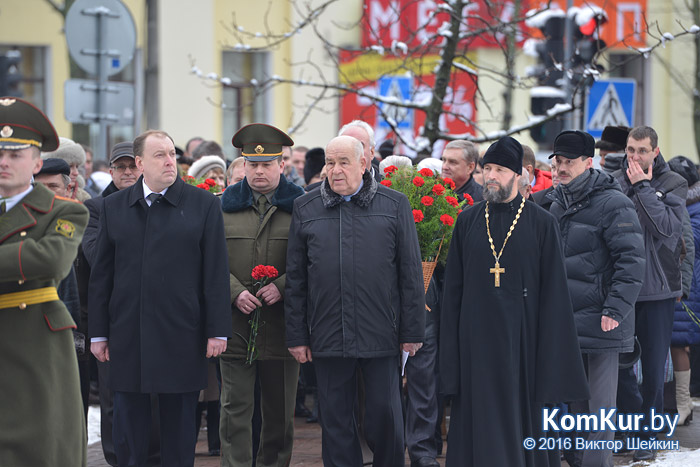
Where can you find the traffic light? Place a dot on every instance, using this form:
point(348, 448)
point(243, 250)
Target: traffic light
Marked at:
point(550, 52)
point(587, 46)
point(542, 99)
point(549, 72)
point(10, 76)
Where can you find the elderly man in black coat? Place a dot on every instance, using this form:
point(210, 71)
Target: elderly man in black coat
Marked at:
point(350, 304)
point(159, 302)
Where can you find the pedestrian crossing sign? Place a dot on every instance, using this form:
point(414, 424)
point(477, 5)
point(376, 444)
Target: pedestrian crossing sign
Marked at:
point(610, 103)
point(395, 89)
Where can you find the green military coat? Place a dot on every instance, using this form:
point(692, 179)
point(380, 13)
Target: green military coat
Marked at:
point(41, 414)
point(251, 243)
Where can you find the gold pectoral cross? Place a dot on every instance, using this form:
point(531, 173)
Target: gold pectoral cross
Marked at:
point(497, 271)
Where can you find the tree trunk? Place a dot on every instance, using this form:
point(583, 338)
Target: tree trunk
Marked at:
point(442, 77)
point(511, 39)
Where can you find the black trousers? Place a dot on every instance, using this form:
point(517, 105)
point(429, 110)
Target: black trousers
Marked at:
point(383, 424)
point(132, 426)
point(107, 421)
point(421, 401)
point(653, 327)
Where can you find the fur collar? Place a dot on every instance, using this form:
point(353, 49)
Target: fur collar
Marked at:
point(363, 198)
point(240, 196)
point(693, 194)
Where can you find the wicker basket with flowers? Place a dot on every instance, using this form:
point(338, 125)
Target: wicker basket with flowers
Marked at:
point(435, 209)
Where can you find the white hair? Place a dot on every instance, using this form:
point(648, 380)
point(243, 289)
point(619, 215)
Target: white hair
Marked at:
point(398, 161)
point(431, 163)
point(361, 124)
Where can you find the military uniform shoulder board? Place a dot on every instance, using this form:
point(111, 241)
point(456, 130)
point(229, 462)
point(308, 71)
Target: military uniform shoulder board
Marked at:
point(67, 199)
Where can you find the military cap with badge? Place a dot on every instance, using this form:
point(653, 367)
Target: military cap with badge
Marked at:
point(22, 126)
point(260, 142)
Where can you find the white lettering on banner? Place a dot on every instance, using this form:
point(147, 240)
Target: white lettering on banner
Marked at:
point(380, 17)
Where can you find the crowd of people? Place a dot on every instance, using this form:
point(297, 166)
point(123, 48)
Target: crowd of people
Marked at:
point(566, 286)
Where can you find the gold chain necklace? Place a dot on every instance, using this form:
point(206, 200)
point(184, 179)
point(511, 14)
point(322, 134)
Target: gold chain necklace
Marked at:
point(497, 270)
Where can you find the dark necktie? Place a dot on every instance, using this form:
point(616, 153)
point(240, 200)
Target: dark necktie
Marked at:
point(262, 206)
point(2, 207)
point(153, 197)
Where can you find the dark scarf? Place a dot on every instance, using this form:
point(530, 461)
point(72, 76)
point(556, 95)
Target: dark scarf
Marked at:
point(362, 198)
point(573, 191)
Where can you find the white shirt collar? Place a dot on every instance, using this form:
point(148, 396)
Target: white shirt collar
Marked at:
point(13, 200)
point(147, 191)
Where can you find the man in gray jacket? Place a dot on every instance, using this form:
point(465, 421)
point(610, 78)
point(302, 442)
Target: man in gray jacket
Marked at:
point(659, 197)
point(604, 255)
point(350, 304)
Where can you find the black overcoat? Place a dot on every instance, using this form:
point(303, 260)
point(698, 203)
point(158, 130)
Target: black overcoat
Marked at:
point(159, 287)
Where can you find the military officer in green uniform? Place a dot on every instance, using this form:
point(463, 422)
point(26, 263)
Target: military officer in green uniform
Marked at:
point(41, 413)
point(257, 214)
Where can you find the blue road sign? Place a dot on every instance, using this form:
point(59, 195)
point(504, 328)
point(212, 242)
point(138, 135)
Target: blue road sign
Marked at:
point(399, 89)
point(610, 103)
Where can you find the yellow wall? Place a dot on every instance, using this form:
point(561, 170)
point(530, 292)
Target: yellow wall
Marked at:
point(186, 31)
point(671, 111)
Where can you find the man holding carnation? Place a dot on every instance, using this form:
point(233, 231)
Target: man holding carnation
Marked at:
point(352, 304)
point(507, 336)
point(257, 213)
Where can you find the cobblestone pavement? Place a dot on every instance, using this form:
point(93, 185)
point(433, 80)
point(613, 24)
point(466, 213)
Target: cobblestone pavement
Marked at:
point(307, 446)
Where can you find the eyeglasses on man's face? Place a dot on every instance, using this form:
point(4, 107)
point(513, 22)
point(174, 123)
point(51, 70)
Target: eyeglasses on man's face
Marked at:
point(122, 168)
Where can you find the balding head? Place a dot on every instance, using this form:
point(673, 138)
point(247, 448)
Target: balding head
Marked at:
point(365, 134)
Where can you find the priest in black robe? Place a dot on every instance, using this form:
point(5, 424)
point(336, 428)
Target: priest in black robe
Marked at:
point(508, 342)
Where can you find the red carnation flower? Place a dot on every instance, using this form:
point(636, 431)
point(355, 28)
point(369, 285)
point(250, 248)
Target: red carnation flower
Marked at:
point(447, 219)
point(448, 181)
point(258, 272)
point(439, 190)
point(418, 181)
point(391, 169)
point(470, 200)
point(417, 215)
point(210, 181)
point(386, 182)
point(452, 201)
point(189, 177)
point(427, 200)
point(426, 172)
point(261, 272)
point(271, 272)
point(203, 186)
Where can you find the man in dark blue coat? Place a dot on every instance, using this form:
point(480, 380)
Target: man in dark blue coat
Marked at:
point(159, 302)
point(659, 196)
point(604, 257)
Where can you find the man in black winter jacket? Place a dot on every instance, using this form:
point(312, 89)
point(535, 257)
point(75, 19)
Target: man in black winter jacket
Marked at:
point(659, 197)
point(351, 304)
point(604, 255)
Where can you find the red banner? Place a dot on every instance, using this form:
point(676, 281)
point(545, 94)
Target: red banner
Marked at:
point(365, 72)
point(425, 22)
